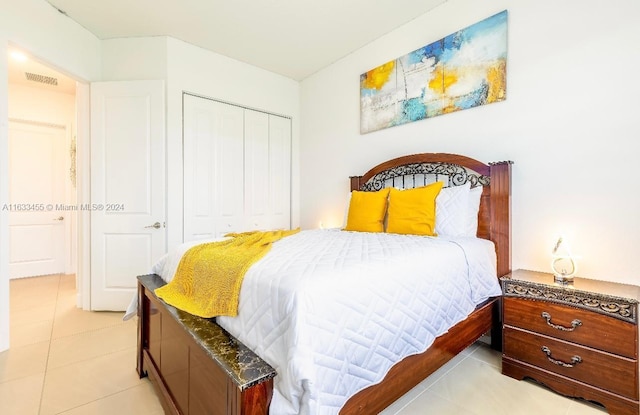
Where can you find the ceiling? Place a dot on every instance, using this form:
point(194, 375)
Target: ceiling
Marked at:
point(294, 38)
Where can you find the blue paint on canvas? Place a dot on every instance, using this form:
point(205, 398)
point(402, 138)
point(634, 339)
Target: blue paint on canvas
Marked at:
point(463, 70)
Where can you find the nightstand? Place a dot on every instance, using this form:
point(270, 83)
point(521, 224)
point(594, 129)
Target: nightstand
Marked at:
point(580, 339)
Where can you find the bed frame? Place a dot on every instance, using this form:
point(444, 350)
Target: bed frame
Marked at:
point(198, 368)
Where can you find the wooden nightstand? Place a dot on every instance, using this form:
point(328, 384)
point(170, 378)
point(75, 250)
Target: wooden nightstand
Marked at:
point(581, 340)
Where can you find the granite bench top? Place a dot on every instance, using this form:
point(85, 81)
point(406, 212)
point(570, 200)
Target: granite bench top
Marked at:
point(242, 365)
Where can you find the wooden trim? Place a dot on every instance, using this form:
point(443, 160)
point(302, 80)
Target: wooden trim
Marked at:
point(355, 182)
point(412, 370)
point(256, 400)
point(158, 384)
point(501, 214)
point(468, 162)
point(234, 399)
point(615, 404)
point(143, 330)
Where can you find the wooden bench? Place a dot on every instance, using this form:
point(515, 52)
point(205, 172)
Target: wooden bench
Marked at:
point(195, 366)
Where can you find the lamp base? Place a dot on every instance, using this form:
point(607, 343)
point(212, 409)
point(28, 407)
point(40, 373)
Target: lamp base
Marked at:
point(563, 279)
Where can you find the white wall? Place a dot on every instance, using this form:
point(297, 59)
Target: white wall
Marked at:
point(4, 198)
point(37, 104)
point(202, 72)
point(38, 28)
point(132, 59)
point(569, 123)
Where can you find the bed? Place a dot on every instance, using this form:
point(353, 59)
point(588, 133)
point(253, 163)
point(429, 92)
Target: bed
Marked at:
point(206, 366)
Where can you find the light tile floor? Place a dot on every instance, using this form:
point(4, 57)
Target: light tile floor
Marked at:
point(63, 360)
point(58, 350)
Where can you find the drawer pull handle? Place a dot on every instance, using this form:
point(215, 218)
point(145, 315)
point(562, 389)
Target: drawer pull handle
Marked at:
point(574, 360)
point(574, 324)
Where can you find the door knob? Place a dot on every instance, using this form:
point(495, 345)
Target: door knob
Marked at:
point(156, 225)
point(59, 218)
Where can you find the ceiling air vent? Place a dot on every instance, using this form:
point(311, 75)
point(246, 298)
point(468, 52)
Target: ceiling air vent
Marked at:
point(49, 80)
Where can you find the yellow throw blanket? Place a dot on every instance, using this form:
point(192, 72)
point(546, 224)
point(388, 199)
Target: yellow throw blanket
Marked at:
point(209, 276)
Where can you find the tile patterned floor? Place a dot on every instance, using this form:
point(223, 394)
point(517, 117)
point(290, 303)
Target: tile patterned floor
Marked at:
point(57, 350)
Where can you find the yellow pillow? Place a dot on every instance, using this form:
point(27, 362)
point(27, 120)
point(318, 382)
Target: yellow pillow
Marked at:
point(367, 210)
point(413, 211)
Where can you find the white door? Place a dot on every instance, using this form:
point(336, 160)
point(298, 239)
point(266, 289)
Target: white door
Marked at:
point(237, 169)
point(128, 232)
point(267, 160)
point(36, 194)
point(280, 172)
point(256, 162)
point(213, 168)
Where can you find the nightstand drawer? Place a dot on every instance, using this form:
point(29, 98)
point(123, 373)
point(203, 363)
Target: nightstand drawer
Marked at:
point(572, 324)
point(603, 370)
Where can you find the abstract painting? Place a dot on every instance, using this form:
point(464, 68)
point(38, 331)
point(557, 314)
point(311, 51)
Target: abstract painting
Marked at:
point(464, 70)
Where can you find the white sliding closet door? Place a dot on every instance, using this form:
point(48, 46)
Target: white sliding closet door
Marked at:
point(213, 168)
point(256, 161)
point(237, 169)
point(280, 172)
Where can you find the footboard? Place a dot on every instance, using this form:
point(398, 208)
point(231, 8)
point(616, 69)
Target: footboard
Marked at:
point(195, 366)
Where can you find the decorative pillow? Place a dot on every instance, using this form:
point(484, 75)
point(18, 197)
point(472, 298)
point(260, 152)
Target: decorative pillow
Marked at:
point(475, 195)
point(413, 211)
point(367, 210)
point(452, 206)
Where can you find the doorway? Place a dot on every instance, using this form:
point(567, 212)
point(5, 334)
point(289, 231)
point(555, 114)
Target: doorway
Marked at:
point(42, 168)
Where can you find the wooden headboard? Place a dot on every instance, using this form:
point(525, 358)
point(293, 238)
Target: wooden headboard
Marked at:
point(494, 217)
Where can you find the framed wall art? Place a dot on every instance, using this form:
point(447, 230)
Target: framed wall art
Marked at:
point(463, 70)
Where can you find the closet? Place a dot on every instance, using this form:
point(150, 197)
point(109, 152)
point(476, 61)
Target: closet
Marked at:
point(237, 169)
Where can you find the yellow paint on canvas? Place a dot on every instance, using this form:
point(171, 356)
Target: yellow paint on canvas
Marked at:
point(448, 106)
point(497, 80)
point(442, 80)
point(377, 77)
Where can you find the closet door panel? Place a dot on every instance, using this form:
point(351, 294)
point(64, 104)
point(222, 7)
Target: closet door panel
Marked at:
point(280, 171)
point(199, 133)
point(229, 169)
point(237, 169)
point(257, 169)
point(213, 168)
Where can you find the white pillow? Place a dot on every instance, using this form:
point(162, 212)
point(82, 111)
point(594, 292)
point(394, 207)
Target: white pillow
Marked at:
point(457, 210)
point(472, 213)
point(452, 211)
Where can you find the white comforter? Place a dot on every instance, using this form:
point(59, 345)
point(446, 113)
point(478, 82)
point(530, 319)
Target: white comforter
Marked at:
point(332, 311)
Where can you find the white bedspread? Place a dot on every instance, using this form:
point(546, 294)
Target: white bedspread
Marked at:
point(332, 311)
